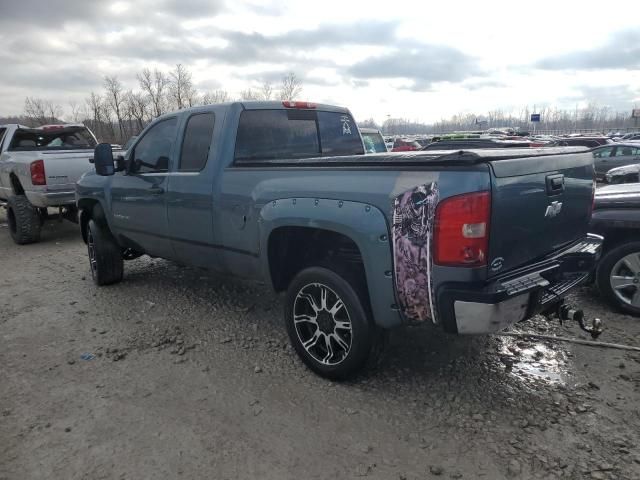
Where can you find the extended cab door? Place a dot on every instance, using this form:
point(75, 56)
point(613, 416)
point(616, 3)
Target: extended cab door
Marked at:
point(139, 201)
point(190, 198)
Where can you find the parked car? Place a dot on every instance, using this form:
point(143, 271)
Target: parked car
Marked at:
point(626, 174)
point(373, 141)
point(630, 137)
point(590, 142)
point(465, 143)
point(617, 217)
point(613, 156)
point(282, 193)
point(405, 145)
point(38, 170)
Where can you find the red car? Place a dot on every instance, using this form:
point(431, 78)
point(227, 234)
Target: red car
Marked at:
point(404, 145)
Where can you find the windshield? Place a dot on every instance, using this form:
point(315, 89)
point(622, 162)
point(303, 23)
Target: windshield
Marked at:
point(64, 138)
point(373, 143)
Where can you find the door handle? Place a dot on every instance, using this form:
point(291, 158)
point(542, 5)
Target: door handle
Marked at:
point(156, 190)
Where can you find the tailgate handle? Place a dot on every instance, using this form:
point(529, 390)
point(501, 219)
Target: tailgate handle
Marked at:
point(555, 184)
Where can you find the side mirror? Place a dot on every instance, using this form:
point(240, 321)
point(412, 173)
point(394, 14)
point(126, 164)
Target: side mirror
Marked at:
point(103, 160)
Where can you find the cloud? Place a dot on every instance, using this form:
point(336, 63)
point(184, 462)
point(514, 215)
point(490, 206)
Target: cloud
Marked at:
point(474, 85)
point(622, 51)
point(424, 65)
point(617, 97)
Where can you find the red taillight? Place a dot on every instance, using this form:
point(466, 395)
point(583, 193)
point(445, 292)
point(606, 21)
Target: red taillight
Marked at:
point(462, 230)
point(37, 173)
point(52, 127)
point(290, 104)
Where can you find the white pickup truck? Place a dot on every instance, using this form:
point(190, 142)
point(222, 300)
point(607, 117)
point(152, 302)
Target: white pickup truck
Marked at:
point(38, 170)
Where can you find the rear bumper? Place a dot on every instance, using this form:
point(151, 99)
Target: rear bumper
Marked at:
point(51, 198)
point(493, 306)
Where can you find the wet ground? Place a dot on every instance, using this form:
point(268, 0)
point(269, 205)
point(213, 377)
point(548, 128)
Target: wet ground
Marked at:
point(179, 373)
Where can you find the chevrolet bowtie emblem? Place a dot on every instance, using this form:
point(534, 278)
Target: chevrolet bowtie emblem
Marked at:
point(553, 210)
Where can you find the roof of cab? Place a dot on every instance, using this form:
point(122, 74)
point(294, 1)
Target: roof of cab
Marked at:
point(258, 105)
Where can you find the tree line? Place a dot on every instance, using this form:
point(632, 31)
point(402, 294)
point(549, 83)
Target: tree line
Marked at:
point(115, 113)
point(591, 117)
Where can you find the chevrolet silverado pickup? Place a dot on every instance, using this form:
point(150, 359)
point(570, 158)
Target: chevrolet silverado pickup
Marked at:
point(38, 170)
point(282, 192)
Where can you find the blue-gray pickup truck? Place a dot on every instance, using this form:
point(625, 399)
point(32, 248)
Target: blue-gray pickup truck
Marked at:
point(282, 192)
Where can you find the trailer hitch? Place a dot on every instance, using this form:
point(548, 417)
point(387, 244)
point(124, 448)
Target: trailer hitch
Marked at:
point(568, 312)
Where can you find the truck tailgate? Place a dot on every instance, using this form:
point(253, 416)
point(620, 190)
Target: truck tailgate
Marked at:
point(539, 205)
point(64, 168)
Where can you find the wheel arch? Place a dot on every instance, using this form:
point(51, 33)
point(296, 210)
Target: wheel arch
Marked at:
point(299, 221)
point(16, 185)
point(89, 208)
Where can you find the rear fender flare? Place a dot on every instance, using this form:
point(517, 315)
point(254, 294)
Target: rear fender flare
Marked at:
point(365, 224)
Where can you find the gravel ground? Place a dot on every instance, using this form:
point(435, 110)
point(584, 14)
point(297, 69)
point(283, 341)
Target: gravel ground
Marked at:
point(179, 373)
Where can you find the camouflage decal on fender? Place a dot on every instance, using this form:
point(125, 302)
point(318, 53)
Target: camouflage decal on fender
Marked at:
point(413, 223)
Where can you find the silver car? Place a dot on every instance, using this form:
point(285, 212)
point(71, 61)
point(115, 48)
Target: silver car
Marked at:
point(612, 156)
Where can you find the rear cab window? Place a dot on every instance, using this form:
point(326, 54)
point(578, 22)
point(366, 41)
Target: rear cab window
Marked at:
point(291, 133)
point(196, 144)
point(53, 138)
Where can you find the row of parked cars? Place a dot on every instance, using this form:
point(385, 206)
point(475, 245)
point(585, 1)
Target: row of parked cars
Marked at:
point(283, 193)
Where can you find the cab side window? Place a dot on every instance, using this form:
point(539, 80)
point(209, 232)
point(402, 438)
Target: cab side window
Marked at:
point(153, 152)
point(197, 142)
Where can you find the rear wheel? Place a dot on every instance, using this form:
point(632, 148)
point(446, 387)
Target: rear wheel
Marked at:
point(23, 219)
point(328, 324)
point(618, 277)
point(105, 256)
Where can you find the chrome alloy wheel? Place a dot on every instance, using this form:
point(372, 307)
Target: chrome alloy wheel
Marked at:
point(322, 323)
point(625, 279)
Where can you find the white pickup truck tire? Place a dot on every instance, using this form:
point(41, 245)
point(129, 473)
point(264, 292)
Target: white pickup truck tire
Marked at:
point(24, 220)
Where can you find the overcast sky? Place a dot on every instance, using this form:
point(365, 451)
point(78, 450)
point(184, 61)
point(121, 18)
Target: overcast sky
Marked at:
point(414, 59)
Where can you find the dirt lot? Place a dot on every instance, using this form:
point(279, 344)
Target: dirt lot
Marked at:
point(192, 377)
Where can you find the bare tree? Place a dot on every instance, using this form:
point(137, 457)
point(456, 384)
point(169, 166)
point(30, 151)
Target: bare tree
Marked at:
point(181, 88)
point(291, 87)
point(34, 111)
point(75, 111)
point(155, 86)
point(266, 91)
point(114, 96)
point(137, 106)
point(39, 111)
point(249, 94)
point(217, 96)
point(53, 111)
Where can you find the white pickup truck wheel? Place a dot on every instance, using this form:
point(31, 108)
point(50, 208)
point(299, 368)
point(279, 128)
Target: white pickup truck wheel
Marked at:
point(328, 324)
point(23, 219)
point(105, 256)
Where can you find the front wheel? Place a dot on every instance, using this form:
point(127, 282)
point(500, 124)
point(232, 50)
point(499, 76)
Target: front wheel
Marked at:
point(618, 277)
point(328, 324)
point(105, 256)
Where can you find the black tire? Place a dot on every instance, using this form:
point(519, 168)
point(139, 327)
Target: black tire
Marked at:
point(105, 256)
point(338, 363)
point(23, 219)
point(612, 265)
